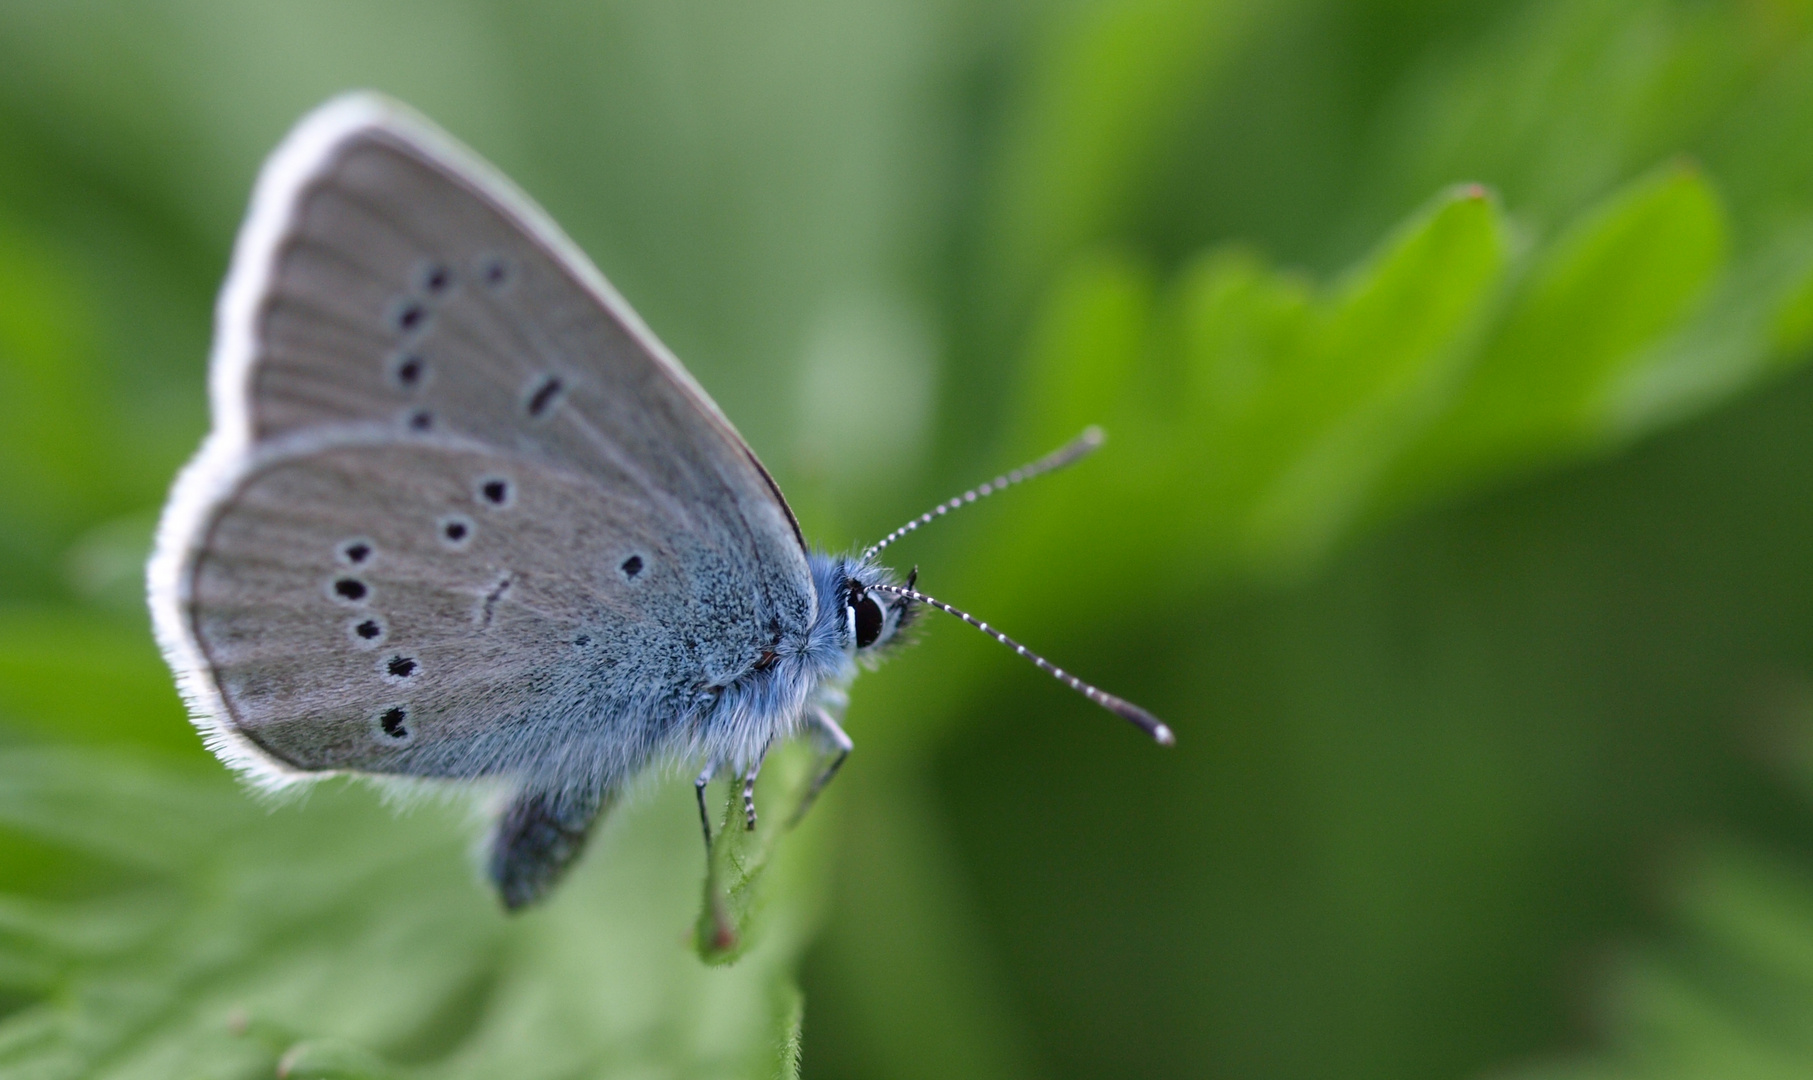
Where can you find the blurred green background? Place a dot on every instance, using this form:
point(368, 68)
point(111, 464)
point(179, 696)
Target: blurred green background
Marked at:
point(1455, 512)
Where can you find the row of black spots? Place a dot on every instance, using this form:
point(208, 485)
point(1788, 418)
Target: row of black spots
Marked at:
point(432, 281)
point(435, 281)
point(409, 317)
point(407, 369)
point(350, 588)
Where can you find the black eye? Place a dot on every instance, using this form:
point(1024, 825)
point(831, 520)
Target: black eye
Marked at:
point(868, 622)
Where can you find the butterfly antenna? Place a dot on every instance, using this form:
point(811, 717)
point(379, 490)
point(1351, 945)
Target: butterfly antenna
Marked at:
point(1120, 707)
point(1081, 446)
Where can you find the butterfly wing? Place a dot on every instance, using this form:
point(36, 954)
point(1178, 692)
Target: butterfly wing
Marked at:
point(401, 327)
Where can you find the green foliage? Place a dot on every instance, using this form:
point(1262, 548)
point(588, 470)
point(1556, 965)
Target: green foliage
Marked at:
point(181, 930)
point(1343, 282)
point(730, 915)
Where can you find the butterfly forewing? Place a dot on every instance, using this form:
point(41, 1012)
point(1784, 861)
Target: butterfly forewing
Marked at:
point(403, 289)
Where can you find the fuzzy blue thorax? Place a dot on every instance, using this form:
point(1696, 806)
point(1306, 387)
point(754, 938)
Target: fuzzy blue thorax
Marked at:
point(804, 671)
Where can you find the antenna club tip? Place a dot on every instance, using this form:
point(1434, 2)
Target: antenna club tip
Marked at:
point(1164, 736)
point(1093, 436)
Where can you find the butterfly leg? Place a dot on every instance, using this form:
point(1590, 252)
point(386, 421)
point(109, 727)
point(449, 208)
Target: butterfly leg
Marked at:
point(698, 786)
point(829, 730)
point(537, 839)
point(749, 790)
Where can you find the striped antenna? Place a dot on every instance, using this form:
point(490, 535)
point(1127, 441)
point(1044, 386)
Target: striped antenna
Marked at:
point(1083, 444)
point(1120, 707)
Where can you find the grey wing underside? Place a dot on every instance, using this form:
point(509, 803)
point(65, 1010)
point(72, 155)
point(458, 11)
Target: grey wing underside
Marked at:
point(399, 322)
point(388, 607)
point(397, 247)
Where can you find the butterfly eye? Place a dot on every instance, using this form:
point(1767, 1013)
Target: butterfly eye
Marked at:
point(868, 622)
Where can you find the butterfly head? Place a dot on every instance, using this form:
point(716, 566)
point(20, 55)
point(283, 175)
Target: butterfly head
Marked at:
point(873, 620)
point(875, 608)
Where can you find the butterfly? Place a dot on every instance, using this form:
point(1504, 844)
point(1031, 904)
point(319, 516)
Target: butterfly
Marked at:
point(462, 516)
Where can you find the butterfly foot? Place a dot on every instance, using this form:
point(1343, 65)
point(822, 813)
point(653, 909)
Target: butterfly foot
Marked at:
point(749, 791)
point(698, 786)
point(841, 746)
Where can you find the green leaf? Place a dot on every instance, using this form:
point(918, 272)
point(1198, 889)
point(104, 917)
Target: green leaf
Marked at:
point(1727, 995)
point(1087, 349)
point(736, 893)
point(76, 676)
point(194, 933)
point(1370, 371)
point(1607, 291)
point(1109, 85)
point(1273, 404)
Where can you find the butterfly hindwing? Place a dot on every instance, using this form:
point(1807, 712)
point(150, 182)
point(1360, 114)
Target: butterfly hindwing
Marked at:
point(435, 608)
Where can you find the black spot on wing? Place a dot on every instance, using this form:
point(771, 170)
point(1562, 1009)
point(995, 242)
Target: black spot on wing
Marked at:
point(393, 723)
point(496, 271)
point(408, 315)
point(409, 371)
point(496, 491)
point(455, 531)
point(543, 395)
point(367, 633)
point(434, 278)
